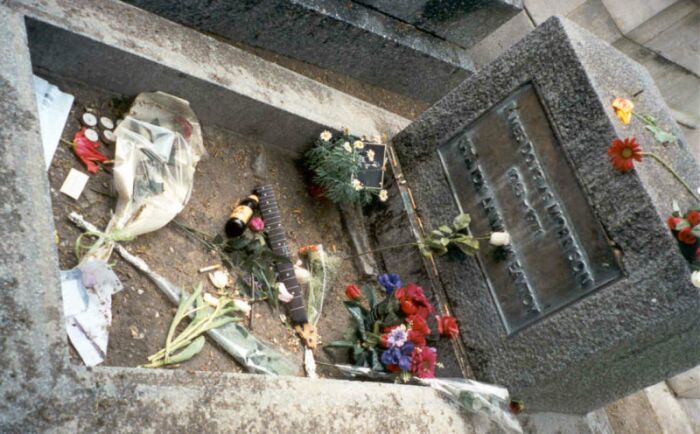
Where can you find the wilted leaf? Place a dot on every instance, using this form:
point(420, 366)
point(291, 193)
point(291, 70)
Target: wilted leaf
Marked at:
point(188, 352)
point(462, 221)
point(445, 230)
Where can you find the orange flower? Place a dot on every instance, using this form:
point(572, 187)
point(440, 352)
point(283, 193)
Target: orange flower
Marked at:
point(622, 153)
point(308, 248)
point(623, 109)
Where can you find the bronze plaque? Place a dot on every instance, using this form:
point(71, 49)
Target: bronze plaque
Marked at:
point(509, 172)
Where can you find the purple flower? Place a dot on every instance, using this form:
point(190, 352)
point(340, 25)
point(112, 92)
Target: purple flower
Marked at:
point(400, 357)
point(390, 282)
point(397, 337)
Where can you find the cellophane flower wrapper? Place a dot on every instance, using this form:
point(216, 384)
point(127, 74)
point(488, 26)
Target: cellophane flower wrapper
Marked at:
point(159, 144)
point(472, 396)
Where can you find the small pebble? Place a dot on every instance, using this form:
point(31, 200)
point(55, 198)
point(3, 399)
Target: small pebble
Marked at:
point(140, 291)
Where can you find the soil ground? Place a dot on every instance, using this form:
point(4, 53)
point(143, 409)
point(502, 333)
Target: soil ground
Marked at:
point(236, 164)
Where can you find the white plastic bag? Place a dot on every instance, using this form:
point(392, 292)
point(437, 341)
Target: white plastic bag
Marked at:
point(159, 144)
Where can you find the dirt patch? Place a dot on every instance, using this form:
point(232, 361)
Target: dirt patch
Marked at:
point(141, 314)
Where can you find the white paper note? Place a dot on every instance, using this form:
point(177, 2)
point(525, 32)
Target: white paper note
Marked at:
point(74, 184)
point(53, 107)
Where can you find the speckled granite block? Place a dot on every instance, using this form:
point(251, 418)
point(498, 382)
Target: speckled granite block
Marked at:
point(633, 332)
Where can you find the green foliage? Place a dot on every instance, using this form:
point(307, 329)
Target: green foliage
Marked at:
point(660, 135)
point(249, 254)
point(190, 341)
point(367, 326)
point(335, 164)
point(439, 241)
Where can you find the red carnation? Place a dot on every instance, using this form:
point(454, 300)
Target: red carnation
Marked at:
point(623, 153)
point(673, 222)
point(447, 326)
point(413, 301)
point(693, 218)
point(353, 292)
point(686, 236)
point(419, 329)
point(423, 361)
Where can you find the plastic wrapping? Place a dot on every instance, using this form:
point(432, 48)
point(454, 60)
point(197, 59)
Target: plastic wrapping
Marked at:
point(159, 143)
point(474, 397)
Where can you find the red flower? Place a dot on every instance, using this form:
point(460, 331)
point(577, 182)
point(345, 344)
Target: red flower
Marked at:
point(673, 222)
point(693, 218)
point(256, 224)
point(413, 301)
point(419, 329)
point(86, 151)
point(447, 326)
point(423, 361)
point(686, 236)
point(516, 407)
point(392, 368)
point(622, 154)
point(316, 191)
point(384, 340)
point(353, 292)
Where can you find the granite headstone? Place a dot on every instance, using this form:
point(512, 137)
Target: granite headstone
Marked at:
point(592, 299)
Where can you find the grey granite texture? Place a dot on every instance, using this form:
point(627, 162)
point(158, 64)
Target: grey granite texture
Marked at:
point(225, 85)
point(339, 35)
point(632, 333)
point(41, 391)
point(464, 22)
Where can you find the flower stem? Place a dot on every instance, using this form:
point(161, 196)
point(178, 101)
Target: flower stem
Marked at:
point(673, 172)
point(380, 249)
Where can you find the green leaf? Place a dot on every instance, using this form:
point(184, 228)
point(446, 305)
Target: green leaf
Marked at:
point(682, 225)
point(368, 292)
point(445, 230)
point(660, 135)
point(461, 221)
point(188, 352)
point(436, 233)
point(339, 344)
point(218, 322)
point(445, 241)
point(359, 317)
point(696, 231)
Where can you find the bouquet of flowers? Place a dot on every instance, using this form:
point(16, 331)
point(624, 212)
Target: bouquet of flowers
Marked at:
point(392, 335)
point(686, 229)
point(335, 163)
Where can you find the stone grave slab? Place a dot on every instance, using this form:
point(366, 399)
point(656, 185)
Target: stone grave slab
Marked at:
point(41, 390)
point(592, 300)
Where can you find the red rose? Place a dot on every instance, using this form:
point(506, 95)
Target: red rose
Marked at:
point(693, 218)
point(423, 361)
point(408, 307)
point(418, 331)
point(447, 326)
point(686, 236)
point(673, 222)
point(393, 368)
point(353, 292)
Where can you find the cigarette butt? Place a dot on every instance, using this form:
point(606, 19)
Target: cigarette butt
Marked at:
point(209, 268)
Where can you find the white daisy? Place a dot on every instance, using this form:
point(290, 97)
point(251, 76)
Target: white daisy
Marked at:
point(358, 144)
point(347, 146)
point(356, 184)
point(326, 136)
point(383, 195)
point(370, 155)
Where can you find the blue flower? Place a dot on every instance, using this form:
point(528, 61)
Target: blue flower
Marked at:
point(390, 282)
point(399, 356)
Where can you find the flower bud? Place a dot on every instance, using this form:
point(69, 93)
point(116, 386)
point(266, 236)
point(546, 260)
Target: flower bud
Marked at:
point(499, 239)
point(353, 292)
point(256, 224)
point(695, 278)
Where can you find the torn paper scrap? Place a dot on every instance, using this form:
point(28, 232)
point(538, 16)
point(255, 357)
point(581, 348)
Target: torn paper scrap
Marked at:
point(74, 184)
point(87, 302)
point(53, 107)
